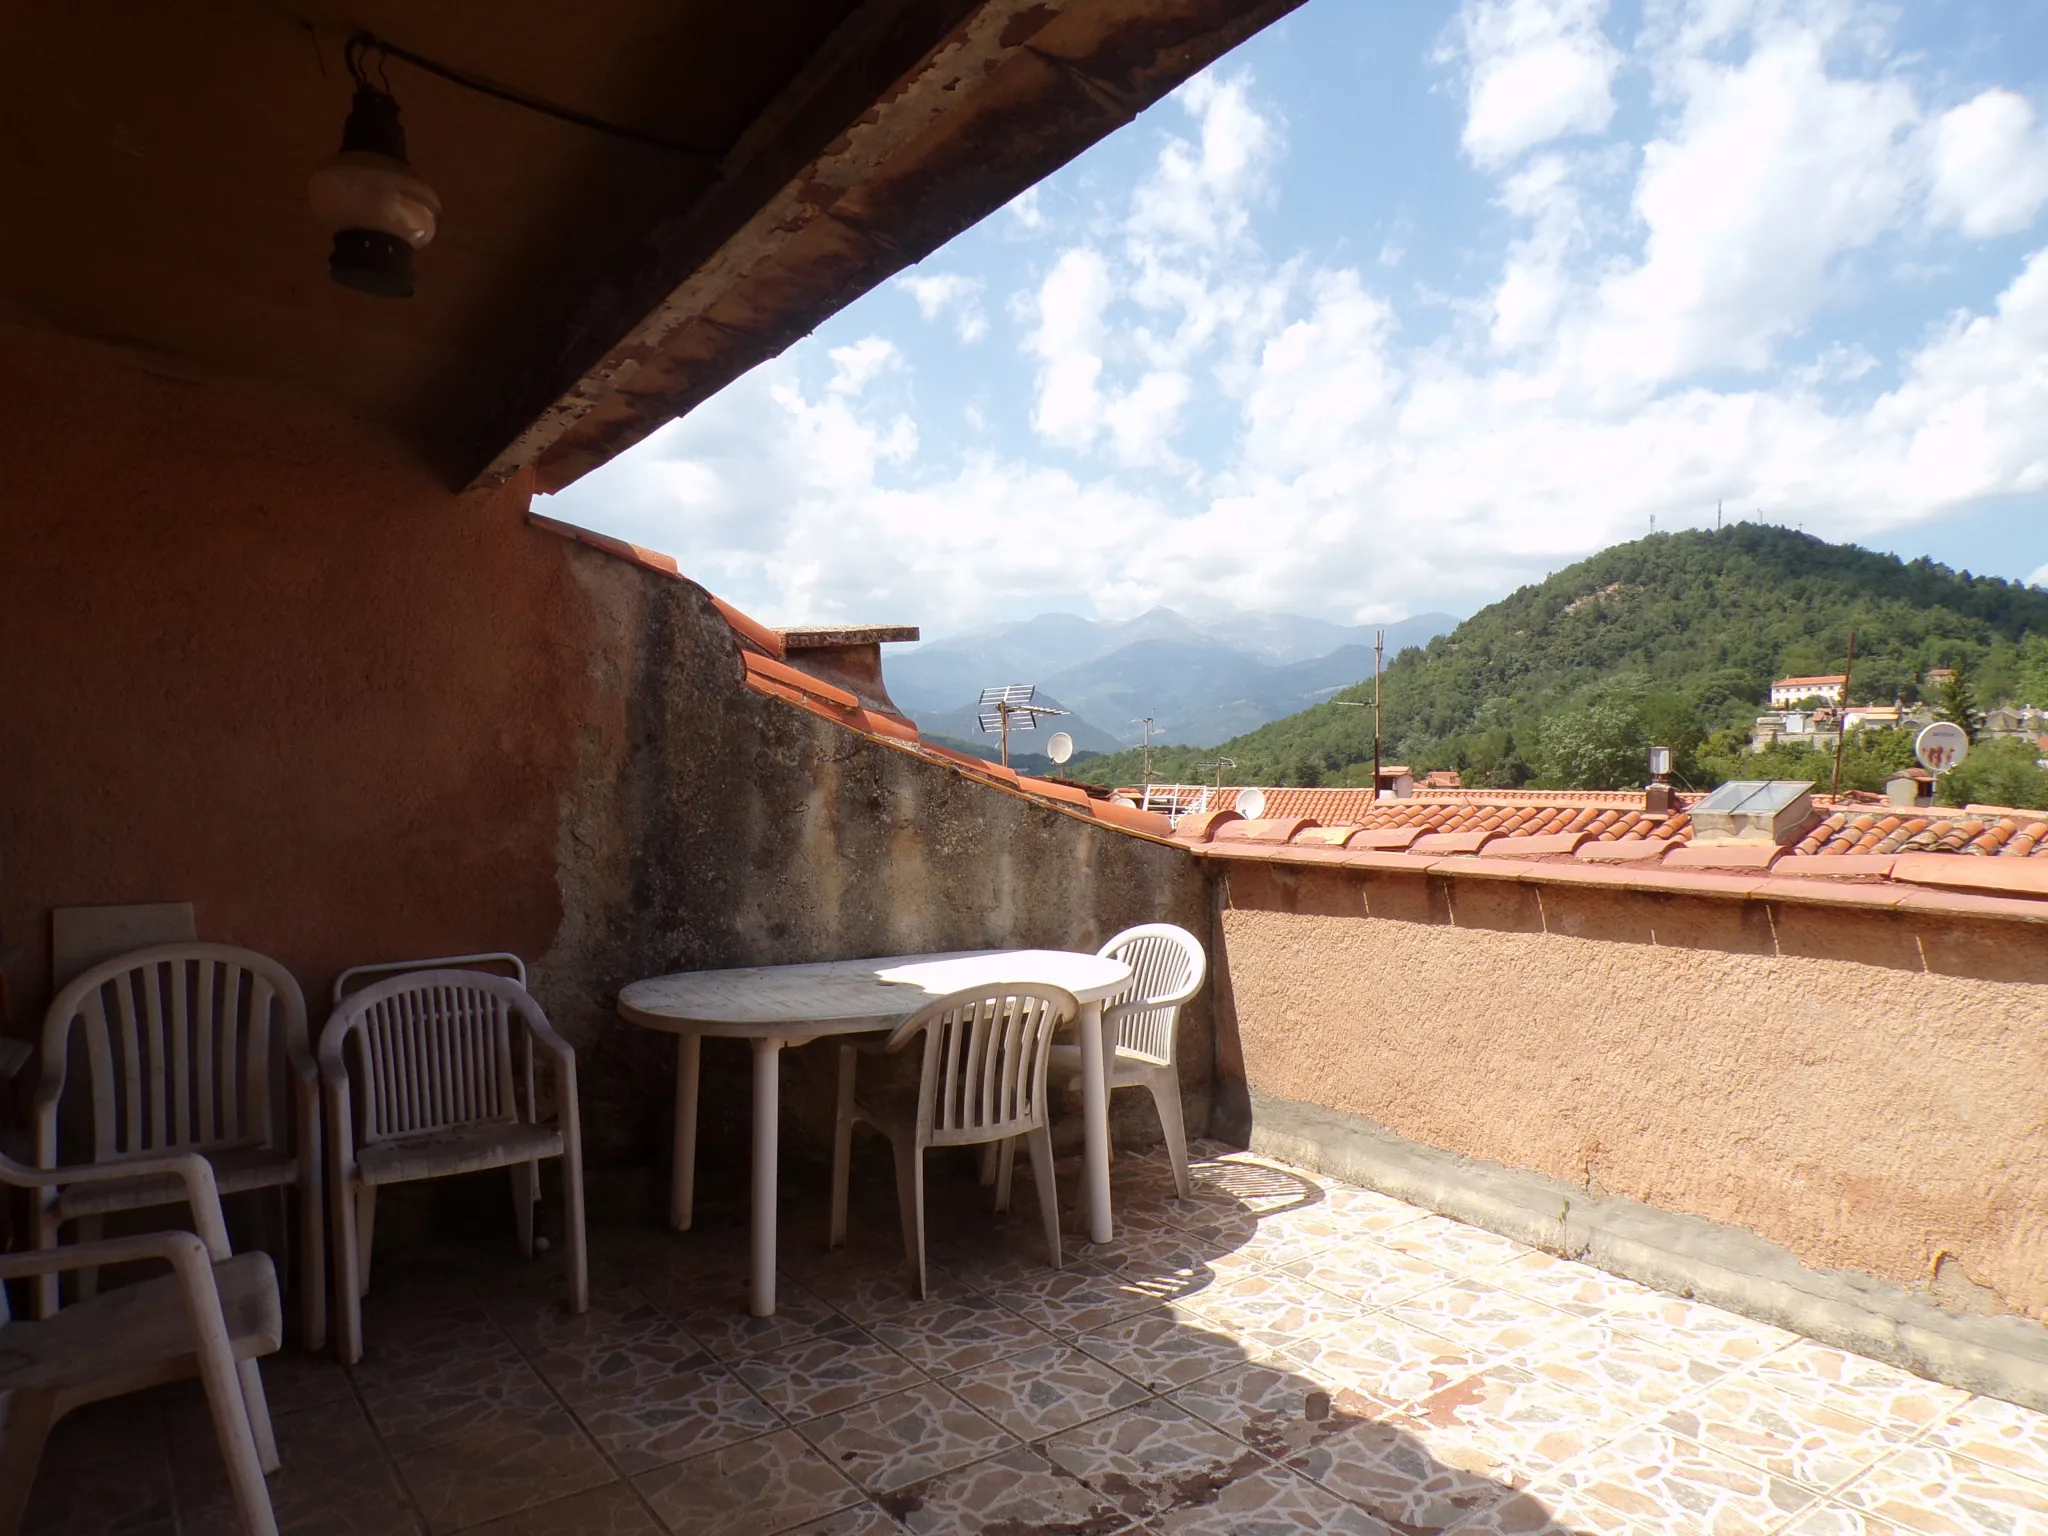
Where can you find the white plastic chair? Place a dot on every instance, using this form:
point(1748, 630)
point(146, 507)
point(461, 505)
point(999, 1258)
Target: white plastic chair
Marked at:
point(1167, 968)
point(210, 1318)
point(185, 1046)
point(420, 1081)
point(982, 1080)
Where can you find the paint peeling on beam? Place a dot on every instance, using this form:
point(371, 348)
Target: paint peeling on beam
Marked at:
point(1013, 92)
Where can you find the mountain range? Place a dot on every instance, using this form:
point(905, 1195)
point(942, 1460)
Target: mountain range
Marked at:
point(1200, 680)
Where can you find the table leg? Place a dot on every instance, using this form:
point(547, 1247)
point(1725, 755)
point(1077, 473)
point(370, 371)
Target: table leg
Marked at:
point(1095, 1121)
point(761, 1275)
point(682, 1179)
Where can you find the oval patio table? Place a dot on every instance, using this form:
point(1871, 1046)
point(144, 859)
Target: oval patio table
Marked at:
point(778, 1005)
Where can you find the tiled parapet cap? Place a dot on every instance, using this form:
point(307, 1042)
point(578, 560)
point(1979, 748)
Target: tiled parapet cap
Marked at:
point(825, 637)
point(1627, 850)
point(1202, 825)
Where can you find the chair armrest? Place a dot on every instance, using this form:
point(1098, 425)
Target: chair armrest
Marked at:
point(201, 1193)
point(543, 1035)
point(175, 1248)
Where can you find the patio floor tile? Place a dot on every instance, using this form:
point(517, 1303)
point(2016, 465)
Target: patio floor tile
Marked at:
point(1274, 1410)
point(1811, 1441)
point(1166, 1347)
point(496, 1468)
point(943, 1337)
point(767, 1484)
point(1274, 1310)
point(1369, 1274)
point(1386, 1468)
point(1274, 1502)
point(906, 1438)
point(1997, 1435)
point(1863, 1387)
point(1021, 1487)
point(616, 1362)
point(1045, 1390)
point(827, 1374)
point(1656, 1482)
point(1152, 1457)
point(686, 1414)
point(1934, 1492)
point(614, 1509)
point(1387, 1360)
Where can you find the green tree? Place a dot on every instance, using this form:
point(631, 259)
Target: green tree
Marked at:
point(1605, 745)
point(1997, 773)
point(1959, 698)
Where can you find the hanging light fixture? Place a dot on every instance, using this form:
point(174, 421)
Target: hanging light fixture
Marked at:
point(368, 196)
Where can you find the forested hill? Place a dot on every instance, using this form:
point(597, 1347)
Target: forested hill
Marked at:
point(1680, 633)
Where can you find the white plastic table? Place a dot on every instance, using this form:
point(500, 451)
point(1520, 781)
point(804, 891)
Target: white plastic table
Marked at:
point(778, 1005)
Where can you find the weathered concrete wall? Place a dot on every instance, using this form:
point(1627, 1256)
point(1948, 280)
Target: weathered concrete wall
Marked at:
point(710, 826)
point(1866, 1089)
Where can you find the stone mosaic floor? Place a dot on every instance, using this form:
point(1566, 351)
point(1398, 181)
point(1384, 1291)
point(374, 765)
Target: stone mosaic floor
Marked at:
point(1280, 1354)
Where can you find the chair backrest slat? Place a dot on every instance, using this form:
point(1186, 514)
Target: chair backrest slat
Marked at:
point(180, 1043)
point(430, 1051)
point(128, 1043)
point(1167, 968)
point(985, 1056)
point(208, 1128)
point(181, 1053)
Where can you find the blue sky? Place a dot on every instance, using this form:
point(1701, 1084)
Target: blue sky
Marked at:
point(1400, 306)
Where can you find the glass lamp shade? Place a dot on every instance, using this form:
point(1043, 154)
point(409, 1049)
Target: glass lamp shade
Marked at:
point(364, 191)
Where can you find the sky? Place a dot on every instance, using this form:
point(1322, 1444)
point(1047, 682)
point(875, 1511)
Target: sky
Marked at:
point(1400, 306)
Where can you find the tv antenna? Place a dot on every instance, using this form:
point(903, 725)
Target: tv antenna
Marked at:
point(1009, 708)
point(1379, 646)
point(1219, 765)
point(1146, 724)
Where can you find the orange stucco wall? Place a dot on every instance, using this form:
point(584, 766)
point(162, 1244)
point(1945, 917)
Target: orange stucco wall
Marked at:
point(255, 656)
point(1867, 1089)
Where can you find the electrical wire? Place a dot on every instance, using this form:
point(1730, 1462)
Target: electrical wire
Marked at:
point(364, 43)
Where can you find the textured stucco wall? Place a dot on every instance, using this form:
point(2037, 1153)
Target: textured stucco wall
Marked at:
point(254, 656)
point(1868, 1091)
point(710, 826)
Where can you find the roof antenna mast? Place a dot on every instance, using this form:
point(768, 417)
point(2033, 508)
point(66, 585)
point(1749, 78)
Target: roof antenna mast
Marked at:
point(1379, 646)
point(1144, 723)
point(1842, 725)
point(999, 706)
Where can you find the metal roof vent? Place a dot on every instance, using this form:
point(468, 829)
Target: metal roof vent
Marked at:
point(1753, 811)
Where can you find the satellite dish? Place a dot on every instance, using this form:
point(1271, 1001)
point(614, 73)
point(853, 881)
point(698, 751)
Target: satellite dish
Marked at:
point(1251, 804)
point(1941, 746)
point(1060, 747)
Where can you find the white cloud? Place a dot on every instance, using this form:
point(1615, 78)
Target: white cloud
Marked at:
point(1200, 194)
point(1990, 165)
point(854, 367)
point(941, 293)
point(2039, 578)
point(1068, 342)
point(1773, 171)
point(1193, 421)
point(1536, 70)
